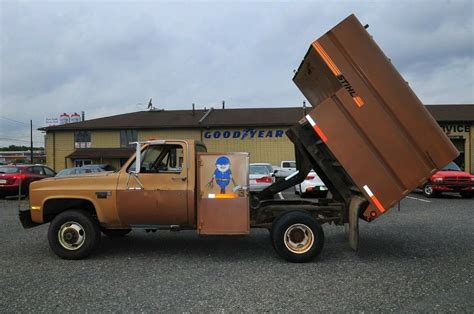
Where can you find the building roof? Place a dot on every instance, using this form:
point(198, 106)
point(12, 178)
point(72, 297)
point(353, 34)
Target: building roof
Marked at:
point(166, 119)
point(452, 112)
point(101, 153)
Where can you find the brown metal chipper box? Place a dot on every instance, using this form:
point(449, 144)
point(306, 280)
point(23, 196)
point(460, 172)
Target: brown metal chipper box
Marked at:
point(369, 118)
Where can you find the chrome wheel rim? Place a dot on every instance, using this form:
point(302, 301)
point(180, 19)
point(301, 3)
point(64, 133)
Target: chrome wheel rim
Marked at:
point(299, 238)
point(428, 189)
point(71, 235)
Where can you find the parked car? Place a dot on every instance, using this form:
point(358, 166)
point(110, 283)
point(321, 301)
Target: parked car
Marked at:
point(260, 176)
point(287, 167)
point(104, 167)
point(450, 179)
point(269, 166)
point(11, 175)
point(311, 186)
point(79, 170)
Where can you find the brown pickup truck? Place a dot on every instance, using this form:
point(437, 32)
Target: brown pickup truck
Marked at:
point(178, 186)
point(362, 138)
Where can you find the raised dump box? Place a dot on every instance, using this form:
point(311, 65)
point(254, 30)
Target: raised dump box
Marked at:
point(366, 120)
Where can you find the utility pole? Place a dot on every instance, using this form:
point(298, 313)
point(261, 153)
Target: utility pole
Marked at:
point(31, 140)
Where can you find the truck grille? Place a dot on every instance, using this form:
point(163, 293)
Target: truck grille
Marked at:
point(457, 180)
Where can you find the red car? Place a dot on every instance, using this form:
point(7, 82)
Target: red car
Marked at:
point(10, 177)
point(450, 179)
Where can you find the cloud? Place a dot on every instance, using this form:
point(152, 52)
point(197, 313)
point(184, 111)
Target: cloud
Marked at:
point(105, 57)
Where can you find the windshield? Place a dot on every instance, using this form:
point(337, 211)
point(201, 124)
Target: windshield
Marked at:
point(258, 170)
point(452, 167)
point(9, 169)
point(289, 164)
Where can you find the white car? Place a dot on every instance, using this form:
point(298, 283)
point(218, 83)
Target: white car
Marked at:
point(260, 176)
point(287, 167)
point(311, 185)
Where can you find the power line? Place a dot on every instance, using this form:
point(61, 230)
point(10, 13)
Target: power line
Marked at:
point(13, 120)
point(16, 121)
point(15, 139)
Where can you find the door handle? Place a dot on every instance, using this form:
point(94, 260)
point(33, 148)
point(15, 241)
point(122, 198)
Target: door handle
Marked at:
point(179, 178)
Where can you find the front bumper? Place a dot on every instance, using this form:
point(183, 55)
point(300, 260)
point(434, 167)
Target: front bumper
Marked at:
point(25, 219)
point(453, 187)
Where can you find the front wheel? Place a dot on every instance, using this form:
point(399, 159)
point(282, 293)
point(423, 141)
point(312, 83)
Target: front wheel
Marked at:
point(428, 190)
point(297, 237)
point(73, 234)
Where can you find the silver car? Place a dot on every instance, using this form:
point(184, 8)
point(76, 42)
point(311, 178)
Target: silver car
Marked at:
point(260, 177)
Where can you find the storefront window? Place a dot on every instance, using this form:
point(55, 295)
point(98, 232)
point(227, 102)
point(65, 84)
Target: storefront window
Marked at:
point(82, 162)
point(127, 136)
point(82, 139)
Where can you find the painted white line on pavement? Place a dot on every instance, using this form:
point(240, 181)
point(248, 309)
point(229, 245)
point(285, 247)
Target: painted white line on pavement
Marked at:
point(281, 196)
point(418, 199)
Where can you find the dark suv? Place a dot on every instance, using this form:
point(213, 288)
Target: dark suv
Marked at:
point(12, 175)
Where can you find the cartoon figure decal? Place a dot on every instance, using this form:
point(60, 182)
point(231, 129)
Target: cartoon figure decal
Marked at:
point(223, 175)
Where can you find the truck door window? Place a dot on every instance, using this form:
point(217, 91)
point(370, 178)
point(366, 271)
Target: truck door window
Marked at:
point(161, 159)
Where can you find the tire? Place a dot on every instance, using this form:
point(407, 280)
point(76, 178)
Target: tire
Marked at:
point(73, 234)
point(116, 233)
point(428, 190)
point(307, 234)
point(466, 194)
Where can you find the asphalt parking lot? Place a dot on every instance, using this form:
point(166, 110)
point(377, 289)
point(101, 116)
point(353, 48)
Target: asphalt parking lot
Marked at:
point(419, 259)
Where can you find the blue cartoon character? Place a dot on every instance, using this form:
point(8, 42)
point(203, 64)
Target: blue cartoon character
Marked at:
point(223, 175)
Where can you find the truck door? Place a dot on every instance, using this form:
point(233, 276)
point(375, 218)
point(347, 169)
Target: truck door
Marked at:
point(158, 194)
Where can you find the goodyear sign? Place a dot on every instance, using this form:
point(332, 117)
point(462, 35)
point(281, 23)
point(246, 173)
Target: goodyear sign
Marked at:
point(243, 134)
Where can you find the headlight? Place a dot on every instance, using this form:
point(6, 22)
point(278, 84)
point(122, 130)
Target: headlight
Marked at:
point(438, 180)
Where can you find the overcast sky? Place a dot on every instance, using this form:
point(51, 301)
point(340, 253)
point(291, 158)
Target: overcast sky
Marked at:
point(106, 57)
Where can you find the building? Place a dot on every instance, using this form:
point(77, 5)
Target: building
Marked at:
point(259, 131)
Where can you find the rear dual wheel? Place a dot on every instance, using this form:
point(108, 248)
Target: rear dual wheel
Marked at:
point(297, 237)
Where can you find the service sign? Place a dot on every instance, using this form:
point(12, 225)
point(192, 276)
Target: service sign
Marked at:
point(456, 128)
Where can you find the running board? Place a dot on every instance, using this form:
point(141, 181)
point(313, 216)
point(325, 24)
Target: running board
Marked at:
point(157, 227)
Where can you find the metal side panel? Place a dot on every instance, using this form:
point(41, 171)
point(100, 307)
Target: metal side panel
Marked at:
point(369, 118)
point(223, 198)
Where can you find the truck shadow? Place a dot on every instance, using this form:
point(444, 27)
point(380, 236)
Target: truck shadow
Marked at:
point(258, 247)
point(388, 248)
point(164, 244)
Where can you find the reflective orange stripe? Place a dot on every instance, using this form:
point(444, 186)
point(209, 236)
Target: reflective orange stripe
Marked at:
point(316, 128)
point(320, 133)
point(374, 199)
point(333, 67)
point(359, 102)
point(335, 70)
